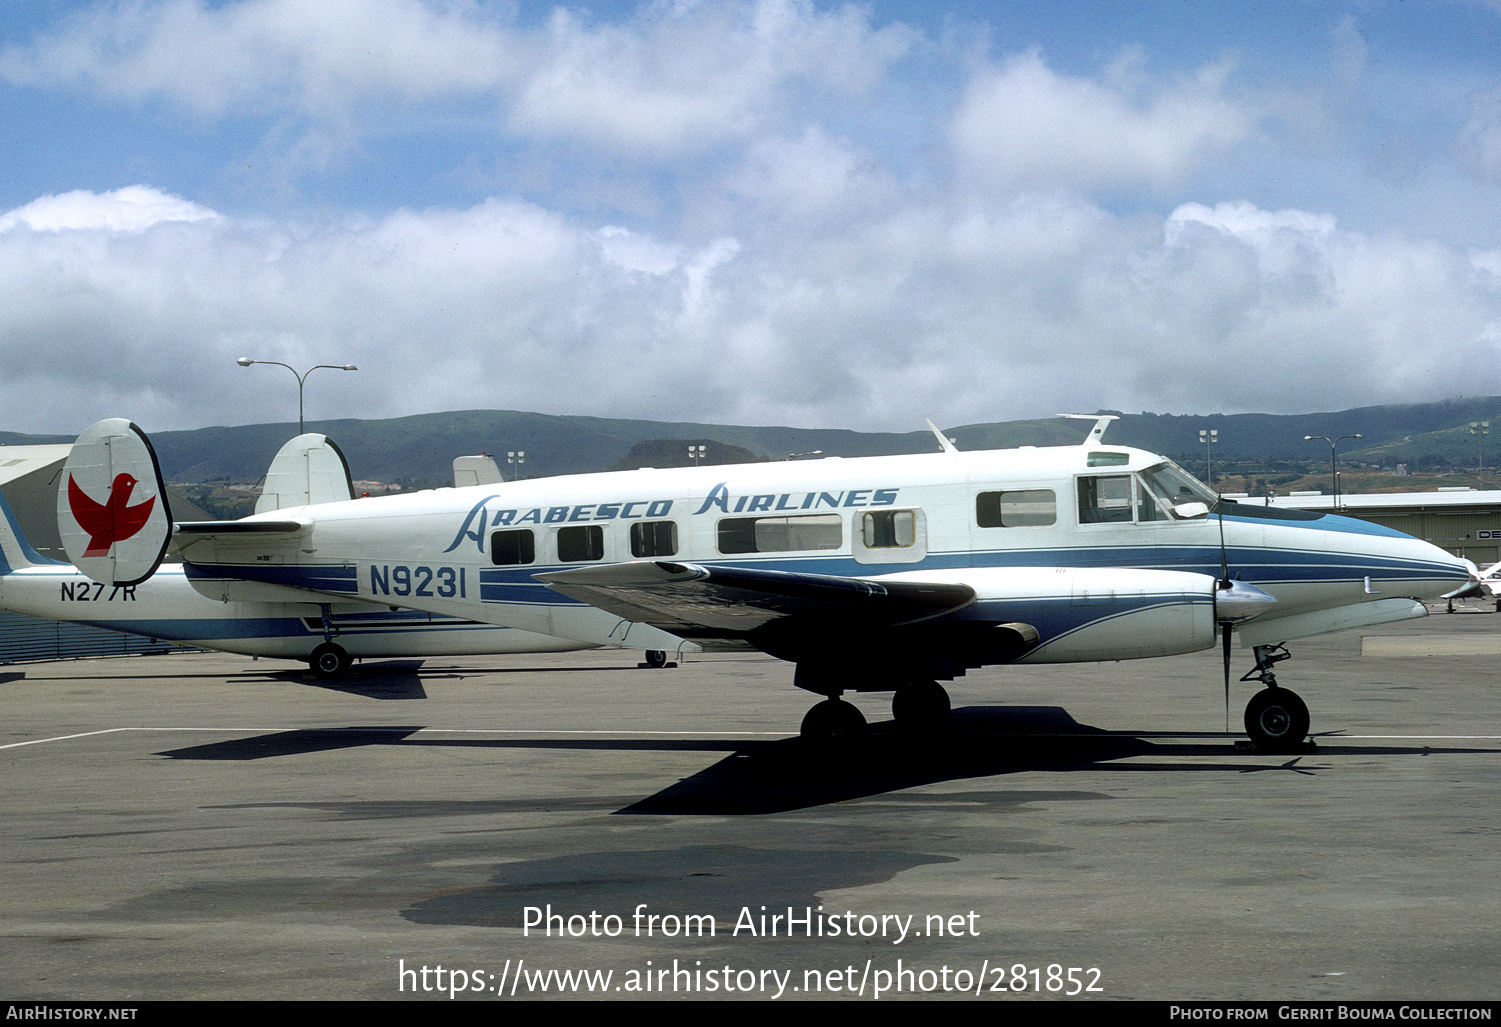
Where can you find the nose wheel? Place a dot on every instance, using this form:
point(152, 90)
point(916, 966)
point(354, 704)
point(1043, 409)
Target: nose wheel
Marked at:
point(1277, 720)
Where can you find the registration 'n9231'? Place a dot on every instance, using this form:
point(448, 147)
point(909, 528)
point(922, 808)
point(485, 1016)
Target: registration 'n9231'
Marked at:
point(421, 581)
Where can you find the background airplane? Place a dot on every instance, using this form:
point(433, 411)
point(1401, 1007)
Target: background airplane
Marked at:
point(327, 635)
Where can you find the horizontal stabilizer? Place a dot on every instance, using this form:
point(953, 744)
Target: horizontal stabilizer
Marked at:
point(112, 511)
point(202, 528)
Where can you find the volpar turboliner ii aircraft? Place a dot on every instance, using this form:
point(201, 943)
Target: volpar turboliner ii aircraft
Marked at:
point(869, 574)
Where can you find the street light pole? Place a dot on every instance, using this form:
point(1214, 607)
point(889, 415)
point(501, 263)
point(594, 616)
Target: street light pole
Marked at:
point(1209, 438)
point(246, 362)
point(1480, 429)
point(1333, 470)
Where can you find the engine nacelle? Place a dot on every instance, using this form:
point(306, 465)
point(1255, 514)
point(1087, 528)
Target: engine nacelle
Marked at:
point(1110, 613)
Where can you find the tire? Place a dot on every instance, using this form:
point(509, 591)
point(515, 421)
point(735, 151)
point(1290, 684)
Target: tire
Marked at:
point(920, 706)
point(1277, 720)
point(656, 658)
point(329, 660)
point(832, 721)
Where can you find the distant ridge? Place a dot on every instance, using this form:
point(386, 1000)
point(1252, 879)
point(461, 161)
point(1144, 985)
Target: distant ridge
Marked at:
point(420, 448)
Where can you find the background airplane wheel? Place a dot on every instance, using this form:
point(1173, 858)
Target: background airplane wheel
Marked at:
point(920, 706)
point(1277, 720)
point(329, 660)
point(656, 658)
point(833, 720)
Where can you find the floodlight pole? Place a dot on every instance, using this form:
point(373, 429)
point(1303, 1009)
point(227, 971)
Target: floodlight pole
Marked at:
point(246, 362)
point(1333, 471)
point(1209, 438)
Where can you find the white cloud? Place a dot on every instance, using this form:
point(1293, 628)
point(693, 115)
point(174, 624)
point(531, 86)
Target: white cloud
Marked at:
point(317, 56)
point(951, 310)
point(689, 75)
point(132, 209)
point(1024, 125)
point(1480, 140)
point(678, 77)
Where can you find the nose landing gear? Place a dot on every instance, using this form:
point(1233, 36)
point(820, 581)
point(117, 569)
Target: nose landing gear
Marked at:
point(1276, 718)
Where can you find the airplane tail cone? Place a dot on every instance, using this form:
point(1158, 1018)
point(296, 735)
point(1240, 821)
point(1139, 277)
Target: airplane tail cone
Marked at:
point(112, 510)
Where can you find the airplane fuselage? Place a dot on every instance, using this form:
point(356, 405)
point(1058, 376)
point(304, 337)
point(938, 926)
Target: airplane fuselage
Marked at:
point(1100, 548)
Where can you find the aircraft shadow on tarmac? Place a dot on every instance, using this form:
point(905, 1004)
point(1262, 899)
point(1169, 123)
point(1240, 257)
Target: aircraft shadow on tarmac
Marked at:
point(389, 679)
point(789, 774)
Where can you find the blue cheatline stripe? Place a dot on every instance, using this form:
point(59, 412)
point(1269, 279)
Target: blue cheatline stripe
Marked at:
point(194, 629)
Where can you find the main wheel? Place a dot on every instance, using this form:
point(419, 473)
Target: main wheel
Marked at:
point(656, 658)
point(329, 660)
point(1277, 720)
point(833, 720)
point(920, 706)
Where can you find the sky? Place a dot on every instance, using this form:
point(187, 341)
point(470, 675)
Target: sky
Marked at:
point(778, 212)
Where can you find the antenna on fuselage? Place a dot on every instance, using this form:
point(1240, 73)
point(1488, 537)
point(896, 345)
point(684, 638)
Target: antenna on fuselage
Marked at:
point(944, 442)
point(1101, 422)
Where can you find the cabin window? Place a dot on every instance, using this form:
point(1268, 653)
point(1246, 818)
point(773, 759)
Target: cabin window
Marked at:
point(889, 529)
point(1100, 458)
point(577, 543)
point(780, 534)
point(1103, 500)
point(1016, 509)
point(654, 538)
point(512, 547)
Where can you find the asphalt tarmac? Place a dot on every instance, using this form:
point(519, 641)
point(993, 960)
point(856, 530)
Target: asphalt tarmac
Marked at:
point(211, 827)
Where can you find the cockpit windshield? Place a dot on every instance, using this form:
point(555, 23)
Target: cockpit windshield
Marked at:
point(1171, 486)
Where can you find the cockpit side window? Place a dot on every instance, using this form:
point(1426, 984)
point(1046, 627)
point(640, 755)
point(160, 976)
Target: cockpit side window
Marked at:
point(1156, 494)
point(1105, 499)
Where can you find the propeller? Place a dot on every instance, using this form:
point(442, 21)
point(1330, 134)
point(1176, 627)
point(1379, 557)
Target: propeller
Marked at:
point(1234, 602)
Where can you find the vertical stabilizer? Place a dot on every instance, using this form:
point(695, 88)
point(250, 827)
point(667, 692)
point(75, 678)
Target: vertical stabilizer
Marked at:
point(112, 508)
point(307, 471)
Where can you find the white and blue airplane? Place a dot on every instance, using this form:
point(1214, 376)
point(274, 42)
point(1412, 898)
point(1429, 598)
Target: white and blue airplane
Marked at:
point(869, 574)
point(167, 607)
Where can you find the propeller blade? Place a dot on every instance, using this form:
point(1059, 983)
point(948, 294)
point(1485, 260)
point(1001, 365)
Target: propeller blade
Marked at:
point(1225, 649)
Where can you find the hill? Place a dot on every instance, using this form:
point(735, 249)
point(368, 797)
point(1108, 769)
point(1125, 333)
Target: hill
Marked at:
point(419, 450)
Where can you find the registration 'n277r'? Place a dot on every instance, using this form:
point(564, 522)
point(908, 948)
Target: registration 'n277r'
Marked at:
point(401, 580)
point(93, 592)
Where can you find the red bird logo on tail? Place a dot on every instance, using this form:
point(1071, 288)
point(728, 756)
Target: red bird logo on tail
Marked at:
point(111, 522)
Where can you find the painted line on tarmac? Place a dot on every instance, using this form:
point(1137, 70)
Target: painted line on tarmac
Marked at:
point(409, 734)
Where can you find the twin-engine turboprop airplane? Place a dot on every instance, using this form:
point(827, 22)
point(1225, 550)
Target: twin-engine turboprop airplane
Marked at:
point(165, 606)
point(870, 574)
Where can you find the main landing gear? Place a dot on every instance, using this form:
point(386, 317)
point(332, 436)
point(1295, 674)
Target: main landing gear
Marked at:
point(1276, 719)
point(329, 660)
point(918, 707)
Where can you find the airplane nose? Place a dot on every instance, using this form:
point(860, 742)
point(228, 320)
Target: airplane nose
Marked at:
point(1456, 571)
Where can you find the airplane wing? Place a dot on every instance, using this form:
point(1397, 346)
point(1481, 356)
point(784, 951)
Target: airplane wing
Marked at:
point(806, 618)
point(732, 602)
